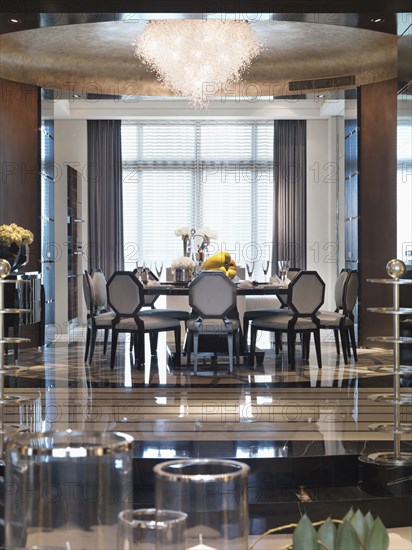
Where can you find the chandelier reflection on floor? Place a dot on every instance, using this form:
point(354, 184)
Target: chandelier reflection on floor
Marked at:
point(197, 58)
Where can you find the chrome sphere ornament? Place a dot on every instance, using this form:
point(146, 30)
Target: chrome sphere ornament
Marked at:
point(395, 269)
point(4, 268)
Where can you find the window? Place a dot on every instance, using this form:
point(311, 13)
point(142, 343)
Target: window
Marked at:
point(197, 174)
point(404, 191)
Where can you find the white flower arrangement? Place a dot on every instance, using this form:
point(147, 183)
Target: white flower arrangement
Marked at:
point(183, 232)
point(183, 263)
point(207, 234)
point(14, 234)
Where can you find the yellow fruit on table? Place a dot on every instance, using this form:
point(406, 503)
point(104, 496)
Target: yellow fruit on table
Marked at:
point(221, 261)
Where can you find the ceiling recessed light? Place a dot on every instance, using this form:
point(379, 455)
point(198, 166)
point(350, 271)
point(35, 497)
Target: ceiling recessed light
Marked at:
point(377, 20)
point(321, 95)
point(76, 95)
point(14, 20)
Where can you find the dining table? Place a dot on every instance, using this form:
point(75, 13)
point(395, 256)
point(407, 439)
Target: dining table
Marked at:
point(177, 297)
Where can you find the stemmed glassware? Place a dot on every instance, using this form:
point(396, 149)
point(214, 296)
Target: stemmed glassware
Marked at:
point(159, 268)
point(265, 267)
point(283, 269)
point(250, 266)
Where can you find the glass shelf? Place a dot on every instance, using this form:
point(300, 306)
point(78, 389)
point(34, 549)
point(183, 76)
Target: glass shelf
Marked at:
point(389, 427)
point(389, 398)
point(391, 281)
point(391, 311)
point(391, 339)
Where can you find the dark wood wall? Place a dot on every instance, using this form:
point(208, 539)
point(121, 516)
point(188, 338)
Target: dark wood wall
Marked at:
point(20, 161)
point(377, 114)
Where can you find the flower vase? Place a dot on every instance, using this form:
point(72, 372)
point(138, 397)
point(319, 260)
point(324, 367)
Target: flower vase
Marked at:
point(182, 275)
point(22, 257)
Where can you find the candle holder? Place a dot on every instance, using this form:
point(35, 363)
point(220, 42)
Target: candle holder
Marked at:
point(213, 494)
point(66, 489)
point(151, 529)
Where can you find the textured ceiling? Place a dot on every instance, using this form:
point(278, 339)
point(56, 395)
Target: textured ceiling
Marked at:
point(98, 57)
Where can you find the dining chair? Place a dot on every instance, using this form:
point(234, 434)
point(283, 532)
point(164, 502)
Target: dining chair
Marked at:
point(342, 319)
point(96, 318)
point(149, 308)
point(258, 313)
point(306, 295)
point(212, 297)
point(126, 297)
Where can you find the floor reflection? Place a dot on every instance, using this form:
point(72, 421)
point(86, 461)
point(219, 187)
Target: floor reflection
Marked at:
point(260, 408)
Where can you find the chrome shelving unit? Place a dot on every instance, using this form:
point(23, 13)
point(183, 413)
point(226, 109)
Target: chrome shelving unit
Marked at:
point(397, 457)
point(6, 400)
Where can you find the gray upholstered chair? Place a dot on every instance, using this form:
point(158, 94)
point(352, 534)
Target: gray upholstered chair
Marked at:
point(258, 313)
point(97, 319)
point(342, 319)
point(305, 297)
point(126, 298)
point(212, 296)
point(150, 308)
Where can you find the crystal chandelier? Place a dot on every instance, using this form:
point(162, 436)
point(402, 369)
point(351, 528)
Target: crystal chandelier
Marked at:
point(196, 58)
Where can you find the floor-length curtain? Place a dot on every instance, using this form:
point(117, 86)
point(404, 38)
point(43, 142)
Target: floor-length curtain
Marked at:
point(289, 228)
point(105, 203)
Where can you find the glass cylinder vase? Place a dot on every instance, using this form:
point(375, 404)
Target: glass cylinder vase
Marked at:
point(213, 494)
point(66, 489)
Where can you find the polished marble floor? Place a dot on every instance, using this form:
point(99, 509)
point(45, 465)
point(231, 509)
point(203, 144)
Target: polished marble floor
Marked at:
point(258, 410)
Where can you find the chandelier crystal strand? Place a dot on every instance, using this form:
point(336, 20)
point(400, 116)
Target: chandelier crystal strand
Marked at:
point(195, 58)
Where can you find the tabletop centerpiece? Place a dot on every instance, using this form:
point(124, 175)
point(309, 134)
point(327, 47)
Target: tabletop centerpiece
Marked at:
point(14, 245)
point(188, 236)
point(182, 269)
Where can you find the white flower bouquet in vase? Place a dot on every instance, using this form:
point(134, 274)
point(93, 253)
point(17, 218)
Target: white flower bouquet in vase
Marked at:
point(182, 269)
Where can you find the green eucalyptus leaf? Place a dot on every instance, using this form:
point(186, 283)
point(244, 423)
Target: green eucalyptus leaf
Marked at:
point(304, 535)
point(378, 536)
point(369, 522)
point(348, 515)
point(347, 538)
point(327, 534)
point(358, 523)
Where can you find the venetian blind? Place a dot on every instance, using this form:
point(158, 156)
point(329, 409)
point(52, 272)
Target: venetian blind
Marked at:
point(197, 174)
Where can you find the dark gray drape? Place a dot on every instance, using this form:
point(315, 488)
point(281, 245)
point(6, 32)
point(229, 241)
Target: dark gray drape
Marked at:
point(105, 202)
point(289, 228)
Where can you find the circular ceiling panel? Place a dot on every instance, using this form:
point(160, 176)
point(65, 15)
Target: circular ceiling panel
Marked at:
point(98, 58)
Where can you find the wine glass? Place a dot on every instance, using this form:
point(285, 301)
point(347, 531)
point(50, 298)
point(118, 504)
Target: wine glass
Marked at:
point(250, 266)
point(159, 268)
point(265, 267)
point(283, 269)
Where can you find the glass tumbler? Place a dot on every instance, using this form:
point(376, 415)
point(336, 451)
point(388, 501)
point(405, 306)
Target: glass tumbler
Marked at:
point(66, 489)
point(151, 529)
point(213, 494)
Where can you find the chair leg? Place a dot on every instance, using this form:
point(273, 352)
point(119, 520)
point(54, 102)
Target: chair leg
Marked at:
point(343, 339)
point(92, 343)
point(353, 341)
point(253, 335)
point(278, 342)
point(86, 351)
point(316, 336)
point(114, 346)
point(140, 348)
point(189, 342)
point(106, 338)
point(230, 350)
point(178, 350)
point(336, 334)
point(237, 347)
point(195, 350)
point(153, 342)
point(291, 348)
point(245, 331)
